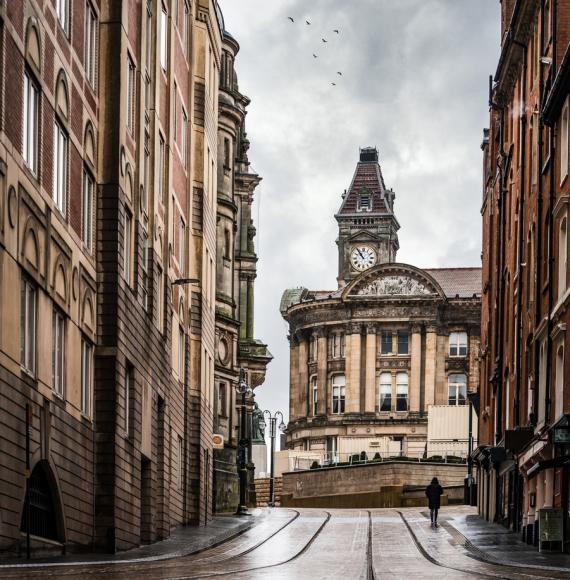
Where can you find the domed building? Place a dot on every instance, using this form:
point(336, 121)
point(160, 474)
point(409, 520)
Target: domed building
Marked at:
point(384, 363)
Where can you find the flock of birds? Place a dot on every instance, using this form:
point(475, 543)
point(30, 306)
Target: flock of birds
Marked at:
point(324, 40)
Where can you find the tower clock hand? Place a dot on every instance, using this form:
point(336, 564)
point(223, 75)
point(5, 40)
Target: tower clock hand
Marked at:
point(361, 254)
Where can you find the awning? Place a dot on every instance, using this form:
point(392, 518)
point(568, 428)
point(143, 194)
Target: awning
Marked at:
point(506, 466)
point(547, 464)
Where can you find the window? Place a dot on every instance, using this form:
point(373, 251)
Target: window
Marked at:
point(58, 352)
point(338, 394)
point(315, 392)
point(227, 154)
point(163, 38)
point(181, 348)
point(181, 246)
point(542, 372)
point(179, 462)
point(313, 348)
point(185, 24)
point(148, 53)
point(28, 326)
point(222, 395)
point(385, 392)
point(127, 249)
point(128, 386)
point(131, 94)
point(90, 43)
point(146, 172)
point(87, 217)
point(86, 376)
point(403, 338)
point(457, 389)
point(60, 149)
point(564, 143)
point(159, 296)
point(145, 263)
point(31, 123)
point(62, 11)
point(562, 256)
point(364, 202)
point(386, 342)
point(161, 167)
point(401, 391)
point(458, 344)
point(559, 385)
point(184, 139)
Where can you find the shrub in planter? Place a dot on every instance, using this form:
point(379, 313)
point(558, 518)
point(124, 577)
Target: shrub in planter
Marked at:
point(377, 457)
point(363, 456)
point(315, 465)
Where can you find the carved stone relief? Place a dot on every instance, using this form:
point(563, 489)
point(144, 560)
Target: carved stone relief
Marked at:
point(394, 286)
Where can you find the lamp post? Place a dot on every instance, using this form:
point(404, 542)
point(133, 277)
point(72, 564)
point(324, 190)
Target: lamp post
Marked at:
point(272, 432)
point(242, 389)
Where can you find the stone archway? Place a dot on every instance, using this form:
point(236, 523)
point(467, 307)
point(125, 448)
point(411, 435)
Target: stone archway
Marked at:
point(45, 516)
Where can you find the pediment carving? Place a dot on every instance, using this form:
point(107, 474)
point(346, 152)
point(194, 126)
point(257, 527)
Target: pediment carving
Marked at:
point(395, 285)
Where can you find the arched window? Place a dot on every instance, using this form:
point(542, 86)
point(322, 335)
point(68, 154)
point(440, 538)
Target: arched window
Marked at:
point(559, 395)
point(562, 256)
point(315, 394)
point(402, 392)
point(457, 389)
point(338, 394)
point(385, 403)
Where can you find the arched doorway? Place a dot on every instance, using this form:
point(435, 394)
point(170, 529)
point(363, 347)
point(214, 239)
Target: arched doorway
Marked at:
point(43, 505)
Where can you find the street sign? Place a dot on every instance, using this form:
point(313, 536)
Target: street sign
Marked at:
point(217, 441)
point(561, 435)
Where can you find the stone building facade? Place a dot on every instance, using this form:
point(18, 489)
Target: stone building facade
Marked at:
point(109, 152)
point(236, 266)
point(524, 396)
point(370, 358)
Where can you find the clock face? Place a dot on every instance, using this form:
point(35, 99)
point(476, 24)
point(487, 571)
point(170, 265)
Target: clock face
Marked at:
point(362, 258)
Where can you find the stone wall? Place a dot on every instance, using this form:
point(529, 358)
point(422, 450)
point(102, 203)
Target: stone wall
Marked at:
point(262, 491)
point(352, 480)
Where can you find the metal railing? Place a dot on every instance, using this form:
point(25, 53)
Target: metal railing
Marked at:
point(335, 459)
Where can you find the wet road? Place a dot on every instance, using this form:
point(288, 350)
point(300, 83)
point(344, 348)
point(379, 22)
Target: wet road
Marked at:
point(311, 544)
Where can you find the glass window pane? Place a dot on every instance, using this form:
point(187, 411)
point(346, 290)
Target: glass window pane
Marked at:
point(402, 342)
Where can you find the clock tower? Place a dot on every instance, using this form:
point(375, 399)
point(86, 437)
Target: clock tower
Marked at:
point(367, 226)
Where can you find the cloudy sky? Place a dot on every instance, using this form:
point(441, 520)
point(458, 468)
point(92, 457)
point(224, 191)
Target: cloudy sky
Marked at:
point(414, 83)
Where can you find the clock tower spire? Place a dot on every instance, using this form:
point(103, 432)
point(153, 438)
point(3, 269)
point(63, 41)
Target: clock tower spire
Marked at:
point(367, 226)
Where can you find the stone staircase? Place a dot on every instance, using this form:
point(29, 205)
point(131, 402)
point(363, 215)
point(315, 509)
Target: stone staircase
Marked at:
point(262, 491)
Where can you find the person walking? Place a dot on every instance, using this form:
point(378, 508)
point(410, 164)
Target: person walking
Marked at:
point(434, 491)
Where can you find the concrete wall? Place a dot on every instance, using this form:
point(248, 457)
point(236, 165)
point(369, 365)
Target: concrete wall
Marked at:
point(369, 478)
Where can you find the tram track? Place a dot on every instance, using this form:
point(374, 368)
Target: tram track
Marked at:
point(370, 574)
point(302, 551)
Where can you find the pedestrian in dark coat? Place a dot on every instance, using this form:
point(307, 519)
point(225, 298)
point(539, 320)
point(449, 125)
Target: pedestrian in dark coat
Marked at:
point(434, 491)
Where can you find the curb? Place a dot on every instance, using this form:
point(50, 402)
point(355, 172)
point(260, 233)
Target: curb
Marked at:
point(223, 538)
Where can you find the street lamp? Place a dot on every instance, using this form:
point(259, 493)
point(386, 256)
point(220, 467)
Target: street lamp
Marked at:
point(242, 388)
point(272, 432)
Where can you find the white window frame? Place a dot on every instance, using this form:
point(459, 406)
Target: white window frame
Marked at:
point(338, 393)
point(87, 210)
point(562, 255)
point(390, 334)
point(62, 13)
point(456, 387)
point(184, 138)
point(385, 392)
point(161, 166)
point(163, 38)
point(315, 394)
point(456, 344)
point(86, 376)
point(28, 306)
point(58, 353)
point(30, 123)
point(90, 43)
point(60, 167)
point(564, 120)
point(402, 388)
point(131, 94)
point(127, 247)
point(185, 26)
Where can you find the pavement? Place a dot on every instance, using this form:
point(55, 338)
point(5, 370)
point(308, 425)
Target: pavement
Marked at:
point(315, 544)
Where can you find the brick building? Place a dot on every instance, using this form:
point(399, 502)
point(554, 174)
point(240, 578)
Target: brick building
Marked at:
point(372, 360)
point(524, 399)
point(109, 149)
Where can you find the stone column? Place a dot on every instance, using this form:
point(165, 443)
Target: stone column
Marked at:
point(303, 376)
point(250, 307)
point(352, 374)
point(548, 487)
point(431, 357)
point(322, 378)
point(370, 389)
point(416, 368)
point(294, 379)
point(539, 492)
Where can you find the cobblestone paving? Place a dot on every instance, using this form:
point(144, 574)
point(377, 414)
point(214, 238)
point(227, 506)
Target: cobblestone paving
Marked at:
point(312, 544)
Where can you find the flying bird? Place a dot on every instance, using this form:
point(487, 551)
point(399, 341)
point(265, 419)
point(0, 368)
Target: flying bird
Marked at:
point(339, 73)
point(291, 19)
point(333, 84)
point(324, 39)
point(314, 56)
point(335, 30)
point(307, 23)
